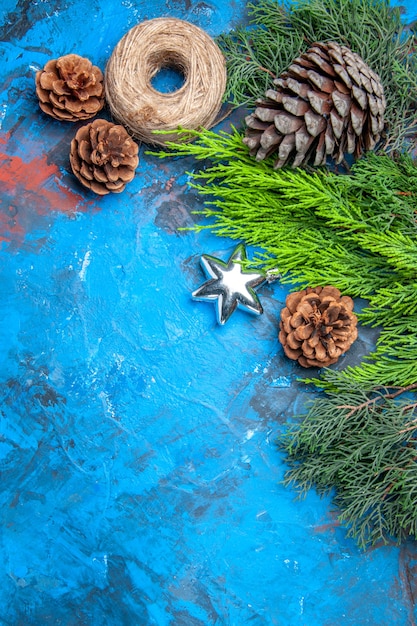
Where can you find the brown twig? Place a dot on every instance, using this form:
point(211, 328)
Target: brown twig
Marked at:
point(406, 430)
point(265, 69)
point(387, 396)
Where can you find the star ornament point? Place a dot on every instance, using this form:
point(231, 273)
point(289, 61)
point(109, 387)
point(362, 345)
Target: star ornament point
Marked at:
point(229, 285)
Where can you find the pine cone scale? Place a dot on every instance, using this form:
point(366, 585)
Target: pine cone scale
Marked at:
point(111, 172)
point(99, 175)
point(264, 114)
point(337, 123)
point(287, 124)
point(86, 172)
point(344, 75)
point(71, 105)
point(303, 332)
point(329, 140)
point(322, 83)
point(342, 88)
point(320, 150)
point(335, 53)
point(256, 124)
point(295, 106)
point(47, 79)
point(361, 97)
point(84, 150)
point(319, 102)
point(302, 142)
point(367, 84)
point(354, 74)
point(59, 88)
point(373, 105)
point(269, 137)
point(296, 87)
point(342, 103)
point(377, 89)
point(315, 124)
point(297, 70)
point(357, 118)
point(320, 62)
point(286, 146)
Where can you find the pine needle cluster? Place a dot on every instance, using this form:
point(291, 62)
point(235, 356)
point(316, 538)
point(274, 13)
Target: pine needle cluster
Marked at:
point(360, 443)
point(278, 31)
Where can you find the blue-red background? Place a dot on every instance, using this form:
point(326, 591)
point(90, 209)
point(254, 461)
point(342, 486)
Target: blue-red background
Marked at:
point(140, 480)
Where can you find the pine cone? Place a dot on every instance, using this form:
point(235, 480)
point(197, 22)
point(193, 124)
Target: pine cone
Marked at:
point(103, 156)
point(328, 103)
point(317, 326)
point(70, 88)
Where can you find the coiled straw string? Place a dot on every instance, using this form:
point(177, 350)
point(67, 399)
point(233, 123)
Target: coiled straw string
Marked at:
point(140, 55)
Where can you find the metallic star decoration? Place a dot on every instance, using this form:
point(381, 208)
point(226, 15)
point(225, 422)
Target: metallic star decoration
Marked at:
point(229, 285)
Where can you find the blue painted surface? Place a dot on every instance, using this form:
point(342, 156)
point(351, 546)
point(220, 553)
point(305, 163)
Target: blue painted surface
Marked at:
point(140, 477)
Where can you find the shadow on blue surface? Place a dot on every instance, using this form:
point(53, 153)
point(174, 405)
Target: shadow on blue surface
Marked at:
point(140, 477)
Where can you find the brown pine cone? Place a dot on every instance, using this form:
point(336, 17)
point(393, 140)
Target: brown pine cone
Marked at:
point(317, 326)
point(103, 156)
point(70, 88)
point(327, 104)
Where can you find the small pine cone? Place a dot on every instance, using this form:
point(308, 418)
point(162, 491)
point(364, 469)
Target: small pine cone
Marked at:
point(103, 156)
point(70, 88)
point(317, 326)
point(327, 104)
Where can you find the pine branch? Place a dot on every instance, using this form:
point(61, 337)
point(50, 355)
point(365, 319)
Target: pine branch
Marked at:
point(360, 441)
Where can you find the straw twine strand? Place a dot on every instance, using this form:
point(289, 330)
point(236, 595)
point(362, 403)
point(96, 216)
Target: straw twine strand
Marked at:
point(140, 54)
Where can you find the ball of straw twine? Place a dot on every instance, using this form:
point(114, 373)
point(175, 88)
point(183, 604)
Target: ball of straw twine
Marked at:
point(138, 57)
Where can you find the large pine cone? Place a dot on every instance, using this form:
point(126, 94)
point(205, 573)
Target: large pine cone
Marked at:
point(328, 103)
point(70, 88)
point(317, 326)
point(104, 157)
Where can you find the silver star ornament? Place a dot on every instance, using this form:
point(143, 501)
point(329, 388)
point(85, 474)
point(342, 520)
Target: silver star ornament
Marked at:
point(230, 286)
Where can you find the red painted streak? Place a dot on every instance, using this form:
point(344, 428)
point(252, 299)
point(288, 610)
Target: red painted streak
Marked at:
point(31, 187)
point(37, 177)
